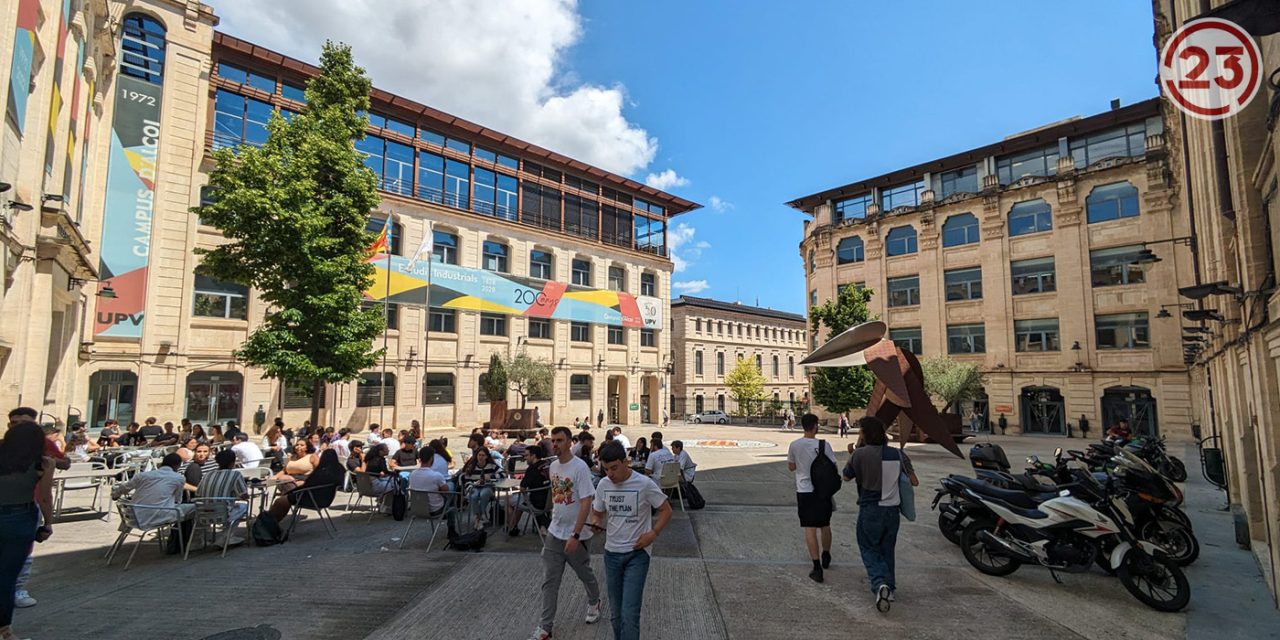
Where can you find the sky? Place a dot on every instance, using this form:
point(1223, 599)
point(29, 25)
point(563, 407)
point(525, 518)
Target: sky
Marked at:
point(740, 105)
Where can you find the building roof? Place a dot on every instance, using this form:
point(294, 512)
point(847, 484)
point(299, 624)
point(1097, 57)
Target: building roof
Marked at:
point(1025, 141)
point(672, 204)
point(735, 307)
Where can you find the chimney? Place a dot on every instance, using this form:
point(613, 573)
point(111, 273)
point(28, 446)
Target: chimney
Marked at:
point(1115, 103)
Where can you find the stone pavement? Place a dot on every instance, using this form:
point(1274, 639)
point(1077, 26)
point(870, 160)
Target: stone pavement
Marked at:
point(734, 570)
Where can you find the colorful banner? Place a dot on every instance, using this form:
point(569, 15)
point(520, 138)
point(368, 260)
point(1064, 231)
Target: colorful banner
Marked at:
point(24, 47)
point(55, 99)
point(470, 289)
point(126, 224)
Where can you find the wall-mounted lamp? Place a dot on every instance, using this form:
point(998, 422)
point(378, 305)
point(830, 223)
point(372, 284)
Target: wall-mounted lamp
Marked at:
point(600, 364)
point(105, 292)
point(14, 205)
point(1164, 309)
point(413, 353)
point(5, 186)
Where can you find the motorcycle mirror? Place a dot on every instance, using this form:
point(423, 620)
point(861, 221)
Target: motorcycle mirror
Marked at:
point(1064, 493)
point(1033, 460)
point(1057, 453)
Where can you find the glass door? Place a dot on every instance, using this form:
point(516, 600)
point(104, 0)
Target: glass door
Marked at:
point(214, 397)
point(111, 396)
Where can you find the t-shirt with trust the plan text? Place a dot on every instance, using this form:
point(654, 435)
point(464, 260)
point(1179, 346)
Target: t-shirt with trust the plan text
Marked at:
point(629, 508)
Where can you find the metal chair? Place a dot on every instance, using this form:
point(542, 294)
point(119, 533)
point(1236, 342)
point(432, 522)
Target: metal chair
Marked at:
point(364, 489)
point(212, 515)
point(420, 507)
point(172, 518)
point(318, 498)
point(526, 506)
point(670, 479)
point(81, 484)
point(255, 473)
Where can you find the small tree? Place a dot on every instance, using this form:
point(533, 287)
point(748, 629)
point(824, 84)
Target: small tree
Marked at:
point(295, 212)
point(746, 386)
point(495, 381)
point(840, 389)
point(530, 377)
point(950, 381)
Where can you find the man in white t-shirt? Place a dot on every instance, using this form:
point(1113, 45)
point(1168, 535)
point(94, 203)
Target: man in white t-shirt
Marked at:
point(426, 478)
point(814, 509)
point(567, 536)
point(629, 500)
point(621, 439)
point(375, 436)
point(687, 466)
point(658, 456)
point(248, 454)
point(341, 446)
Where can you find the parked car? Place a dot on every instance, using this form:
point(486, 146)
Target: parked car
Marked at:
point(715, 416)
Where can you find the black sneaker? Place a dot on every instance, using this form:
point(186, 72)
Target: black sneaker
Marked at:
point(826, 559)
point(816, 575)
point(883, 598)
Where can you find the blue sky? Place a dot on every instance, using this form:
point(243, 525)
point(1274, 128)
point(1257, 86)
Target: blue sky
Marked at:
point(749, 104)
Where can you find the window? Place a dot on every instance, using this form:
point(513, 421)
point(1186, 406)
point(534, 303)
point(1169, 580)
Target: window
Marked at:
point(582, 272)
point(697, 326)
point(648, 284)
point(430, 177)
point(427, 135)
point(1112, 202)
point(239, 120)
point(1123, 331)
point(218, 299)
point(963, 180)
point(508, 196)
point(617, 335)
point(697, 404)
point(909, 339)
point(443, 320)
point(963, 284)
point(580, 332)
point(296, 94)
point(697, 363)
point(720, 364)
point(392, 312)
point(508, 162)
point(907, 195)
point(495, 257)
point(1128, 142)
point(397, 175)
point(142, 48)
point(648, 338)
point(791, 366)
point(579, 386)
point(1036, 335)
point(1032, 216)
point(493, 324)
point(1116, 266)
point(651, 235)
point(904, 292)
point(719, 402)
point(760, 363)
point(461, 146)
point(457, 183)
point(1033, 276)
point(852, 208)
point(540, 328)
point(850, 250)
point(484, 194)
point(482, 386)
point(376, 390)
point(444, 247)
point(540, 206)
point(403, 128)
point(775, 367)
point(297, 395)
point(960, 229)
point(232, 73)
point(617, 226)
point(1037, 162)
point(900, 241)
point(966, 338)
point(813, 298)
point(486, 155)
point(581, 217)
point(813, 262)
point(617, 279)
point(540, 265)
point(437, 388)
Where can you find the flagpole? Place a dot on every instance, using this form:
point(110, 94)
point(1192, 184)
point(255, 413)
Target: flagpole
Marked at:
point(426, 337)
point(386, 303)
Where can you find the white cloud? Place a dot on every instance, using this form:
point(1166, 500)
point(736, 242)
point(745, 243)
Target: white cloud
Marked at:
point(684, 251)
point(666, 181)
point(690, 286)
point(499, 63)
point(719, 204)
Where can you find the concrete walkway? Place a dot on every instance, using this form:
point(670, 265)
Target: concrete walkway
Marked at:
point(734, 570)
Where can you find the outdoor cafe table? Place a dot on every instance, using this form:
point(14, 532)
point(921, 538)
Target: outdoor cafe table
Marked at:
point(61, 477)
point(260, 491)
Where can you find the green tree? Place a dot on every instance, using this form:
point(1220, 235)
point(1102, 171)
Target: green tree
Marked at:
point(294, 212)
point(746, 386)
point(951, 381)
point(495, 381)
point(840, 389)
point(530, 377)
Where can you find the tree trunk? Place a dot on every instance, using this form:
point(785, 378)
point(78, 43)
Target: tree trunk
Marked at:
point(317, 388)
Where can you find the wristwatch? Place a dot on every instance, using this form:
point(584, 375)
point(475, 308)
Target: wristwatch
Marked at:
point(577, 535)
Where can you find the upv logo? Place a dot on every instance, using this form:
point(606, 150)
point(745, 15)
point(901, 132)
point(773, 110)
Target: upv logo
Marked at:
point(1210, 68)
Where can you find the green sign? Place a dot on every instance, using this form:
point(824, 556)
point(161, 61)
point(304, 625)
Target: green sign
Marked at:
point(635, 406)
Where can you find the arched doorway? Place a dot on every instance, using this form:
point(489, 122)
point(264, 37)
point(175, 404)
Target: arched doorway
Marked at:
point(1043, 411)
point(1134, 404)
point(214, 396)
point(111, 396)
point(616, 400)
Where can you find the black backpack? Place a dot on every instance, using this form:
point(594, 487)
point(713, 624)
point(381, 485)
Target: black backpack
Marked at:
point(399, 505)
point(823, 473)
point(266, 531)
point(470, 541)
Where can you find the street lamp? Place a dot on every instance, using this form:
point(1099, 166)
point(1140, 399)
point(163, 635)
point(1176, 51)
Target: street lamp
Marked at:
point(105, 292)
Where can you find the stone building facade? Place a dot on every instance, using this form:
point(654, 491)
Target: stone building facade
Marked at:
point(1033, 258)
point(708, 337)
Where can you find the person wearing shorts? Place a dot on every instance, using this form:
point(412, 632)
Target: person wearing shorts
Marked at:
point(813, 508)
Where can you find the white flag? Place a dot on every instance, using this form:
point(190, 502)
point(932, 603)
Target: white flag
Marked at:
point(424, 249)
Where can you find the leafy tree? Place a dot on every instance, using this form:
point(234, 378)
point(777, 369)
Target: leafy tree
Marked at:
point(495, 381)
point(746, 386)
point(295, 211)
point(953, 382)
point(840, 389)
point(530, 377)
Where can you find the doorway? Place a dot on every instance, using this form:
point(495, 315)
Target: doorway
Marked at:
point(111, 396)
point(1134, 404)
point(213, 397)
point(1043, 411)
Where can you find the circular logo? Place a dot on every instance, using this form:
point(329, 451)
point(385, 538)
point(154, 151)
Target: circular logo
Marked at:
point(1210, 68)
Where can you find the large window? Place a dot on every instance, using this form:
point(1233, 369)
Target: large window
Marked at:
point(397, 172)
point(495, 257)
point(617, 279)
point(617, 335)
point(508, 196)
point(457, 183)
point(582, 272)
point(444, 247)
point(579, 386)
point(900, 241)
point(651, 235)
point(904, 292)
point(963, 284)
point(964, 180)
point(142, 47)
point(297, 395)
point(443, 320)
point(581, 217)
point(437, 388)
point(540, 328)
point(852, 208)
point(720, 363)
point(648, 338)
point(218, 299)
point(1037, 162)
point(1033, 276)
point(907, 195)
point(540, 265)
point(697, 363)
point(391, 311)
point(1112, 202)
point(850, 250)
point(1032, 216)
point(1127, 141)
point(960, 229)
point(376, 390)
point(1036, 335)
point(239, 120)
point(775, 367)
point(1116, 266)
point(580, 332)
point(430, 177)
point(484, 191)
point(909, 339)
point(617, 226)
point(482, 389)
point(493, 324)
point(1123, 331)
point(966, 338)
point(540, 206)
point(648, 284)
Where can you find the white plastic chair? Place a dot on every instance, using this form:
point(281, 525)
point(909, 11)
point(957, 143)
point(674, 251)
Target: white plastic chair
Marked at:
point(670, 479)
point(420, 507)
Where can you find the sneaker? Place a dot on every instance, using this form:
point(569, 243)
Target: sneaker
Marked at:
point(539, 634)
point(593, 613)
point(816, 575)
point(826, 559)
point(513, 531)
point(883, 598)
point(22, 600)
point(893, 594)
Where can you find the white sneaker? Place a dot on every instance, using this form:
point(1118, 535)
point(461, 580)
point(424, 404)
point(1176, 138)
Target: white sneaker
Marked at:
point(593, 612)
point(539, 634)
point(22, 600)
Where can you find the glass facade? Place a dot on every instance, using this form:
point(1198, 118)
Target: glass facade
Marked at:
point(907, 195)
point(963, 180)
point(1126, 142)
point(852, 208)
point(1037, 162)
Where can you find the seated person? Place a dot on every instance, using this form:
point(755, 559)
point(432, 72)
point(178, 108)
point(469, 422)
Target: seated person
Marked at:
point(375, 464)
point(167, 438)
point(514, 452)
point(534, 488)
point(617, 435)
point(157, 494)
point(150, 430)
point(327, 476)
point(586, 451)
point(188, 449)
point(247, 453)
point(198, 433)
point(194, 470)
point(687, 465)
point(302, 461)
point(658, 456)
point(133, 436)
point(494, 441)
point(215, 435)
point(110, 434)
point(426, 478)
point(375, 435)
point(478, 475)
point(79, 448)
point(224, 482)
point(640, 452)
point(406, 455)
point(356, 457)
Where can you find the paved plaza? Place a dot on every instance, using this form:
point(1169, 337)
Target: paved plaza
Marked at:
point(737, 569)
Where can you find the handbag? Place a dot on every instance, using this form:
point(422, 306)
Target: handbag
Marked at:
point(907, 495)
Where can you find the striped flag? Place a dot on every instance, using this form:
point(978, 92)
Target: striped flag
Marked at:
point(383, 243)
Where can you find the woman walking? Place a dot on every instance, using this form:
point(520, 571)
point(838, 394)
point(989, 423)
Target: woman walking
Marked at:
point(26, 488)
point(877, 467)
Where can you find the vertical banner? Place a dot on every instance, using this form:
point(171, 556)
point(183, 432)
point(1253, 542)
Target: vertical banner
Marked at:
point(24, 48)
point(55, 99)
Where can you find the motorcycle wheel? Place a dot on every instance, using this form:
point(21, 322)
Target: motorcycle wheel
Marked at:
point(976, 552)
point(1157, 583)
point(1177, 470)
point(1177, 541)
point(948, 529)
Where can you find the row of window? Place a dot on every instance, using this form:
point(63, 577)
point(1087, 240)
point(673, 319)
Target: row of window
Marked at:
point(759, 332)
point(377, 389)
point(720, 368)
point(1114, 331)
point(699, 401)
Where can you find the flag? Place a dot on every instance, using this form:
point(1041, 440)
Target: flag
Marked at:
point(383, 243)
point(424, 249)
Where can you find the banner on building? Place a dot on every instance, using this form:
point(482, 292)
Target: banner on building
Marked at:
point(24, 50)
point(130, 203)
point(470, 289)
